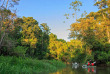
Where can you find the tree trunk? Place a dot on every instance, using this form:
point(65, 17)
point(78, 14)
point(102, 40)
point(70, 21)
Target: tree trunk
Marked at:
point(7, 4)
point(1, 40)
point(108, 34)
point(3, 3)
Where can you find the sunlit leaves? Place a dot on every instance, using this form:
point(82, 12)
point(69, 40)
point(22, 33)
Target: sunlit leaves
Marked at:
point(84, 14)
point(56, 47)
point(76, 7)
point(45, 28)
point(101, 4)
point(67, 16)
point(29, 27)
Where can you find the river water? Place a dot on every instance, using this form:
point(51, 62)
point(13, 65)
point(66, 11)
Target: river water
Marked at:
point(80, 70)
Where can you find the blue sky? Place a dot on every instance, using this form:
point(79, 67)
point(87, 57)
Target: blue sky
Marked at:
point(52, 12)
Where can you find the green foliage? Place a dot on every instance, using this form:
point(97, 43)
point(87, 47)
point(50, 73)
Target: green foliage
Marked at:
point(20, 50)
point(62, 40)
point(58, 64)
point(107, 47)
point(109, 55)
point(89, 57)
point(79, 56)
point(97, 46)
point(103, 56)
point(108, 64)
point(43, 42)
point(91, 39)
point(19, 65)
point(7, 45)
point(94, 31)
point(75, 6)
point(57, 47)
point(29, 28)
point(6, 24)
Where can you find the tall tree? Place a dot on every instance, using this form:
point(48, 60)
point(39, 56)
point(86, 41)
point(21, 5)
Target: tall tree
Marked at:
point(6, 19)
point(29, 27)
point(43, 41)
point(75, 6)
point(104, 6)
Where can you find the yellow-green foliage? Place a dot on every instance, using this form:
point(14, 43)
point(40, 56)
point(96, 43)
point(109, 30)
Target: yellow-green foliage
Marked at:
point(73, 45)
point(56, 47)
point(29, 27)
point(66, 51)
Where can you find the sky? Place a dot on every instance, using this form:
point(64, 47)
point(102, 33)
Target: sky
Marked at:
point(52, 12)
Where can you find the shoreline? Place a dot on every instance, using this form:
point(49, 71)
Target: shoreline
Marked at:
point(19, 65)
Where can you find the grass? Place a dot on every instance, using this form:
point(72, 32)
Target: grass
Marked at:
point(14, 65)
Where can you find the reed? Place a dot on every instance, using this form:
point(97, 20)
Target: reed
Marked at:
point(14, 65)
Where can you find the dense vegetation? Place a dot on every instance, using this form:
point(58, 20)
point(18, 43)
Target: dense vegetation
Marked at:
point(13, 65)
point(93, 31)
point(24, 37)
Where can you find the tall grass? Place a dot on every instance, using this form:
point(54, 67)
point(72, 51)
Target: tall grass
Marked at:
point(14, 65)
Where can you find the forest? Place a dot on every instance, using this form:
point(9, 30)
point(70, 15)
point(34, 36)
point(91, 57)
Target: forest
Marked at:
point(24, 38)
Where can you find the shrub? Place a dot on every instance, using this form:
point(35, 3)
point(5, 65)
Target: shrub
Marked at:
point(14, 65)
point(103, 56)
point(108, 64)
point(20, 50)
point(107, 47)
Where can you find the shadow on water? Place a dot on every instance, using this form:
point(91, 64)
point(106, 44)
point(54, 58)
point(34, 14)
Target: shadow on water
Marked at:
point(80, 70)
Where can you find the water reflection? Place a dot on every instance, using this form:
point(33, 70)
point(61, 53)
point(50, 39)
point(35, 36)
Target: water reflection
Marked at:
point(80, 70)
point(91, 69)
point(75, 65)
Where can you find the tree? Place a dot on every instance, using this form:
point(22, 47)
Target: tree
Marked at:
point(43, 41)
point(57, 48)
point(6, 20)
point(93, 29)
point(75, 6)
point(104, 6)
point(6, 4)
point(29, 29)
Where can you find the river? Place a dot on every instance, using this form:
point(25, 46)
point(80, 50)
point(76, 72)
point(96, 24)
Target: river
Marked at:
point(80, 70)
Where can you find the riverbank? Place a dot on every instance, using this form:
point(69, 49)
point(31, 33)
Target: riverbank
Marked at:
point(14, 65)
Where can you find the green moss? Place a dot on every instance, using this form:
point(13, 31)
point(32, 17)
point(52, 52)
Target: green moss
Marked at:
point(14, 65)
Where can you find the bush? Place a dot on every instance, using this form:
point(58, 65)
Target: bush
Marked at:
point(14, 65)
point(107, 47)
point(108, 64)
point(103, 56)
point(20, 50)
